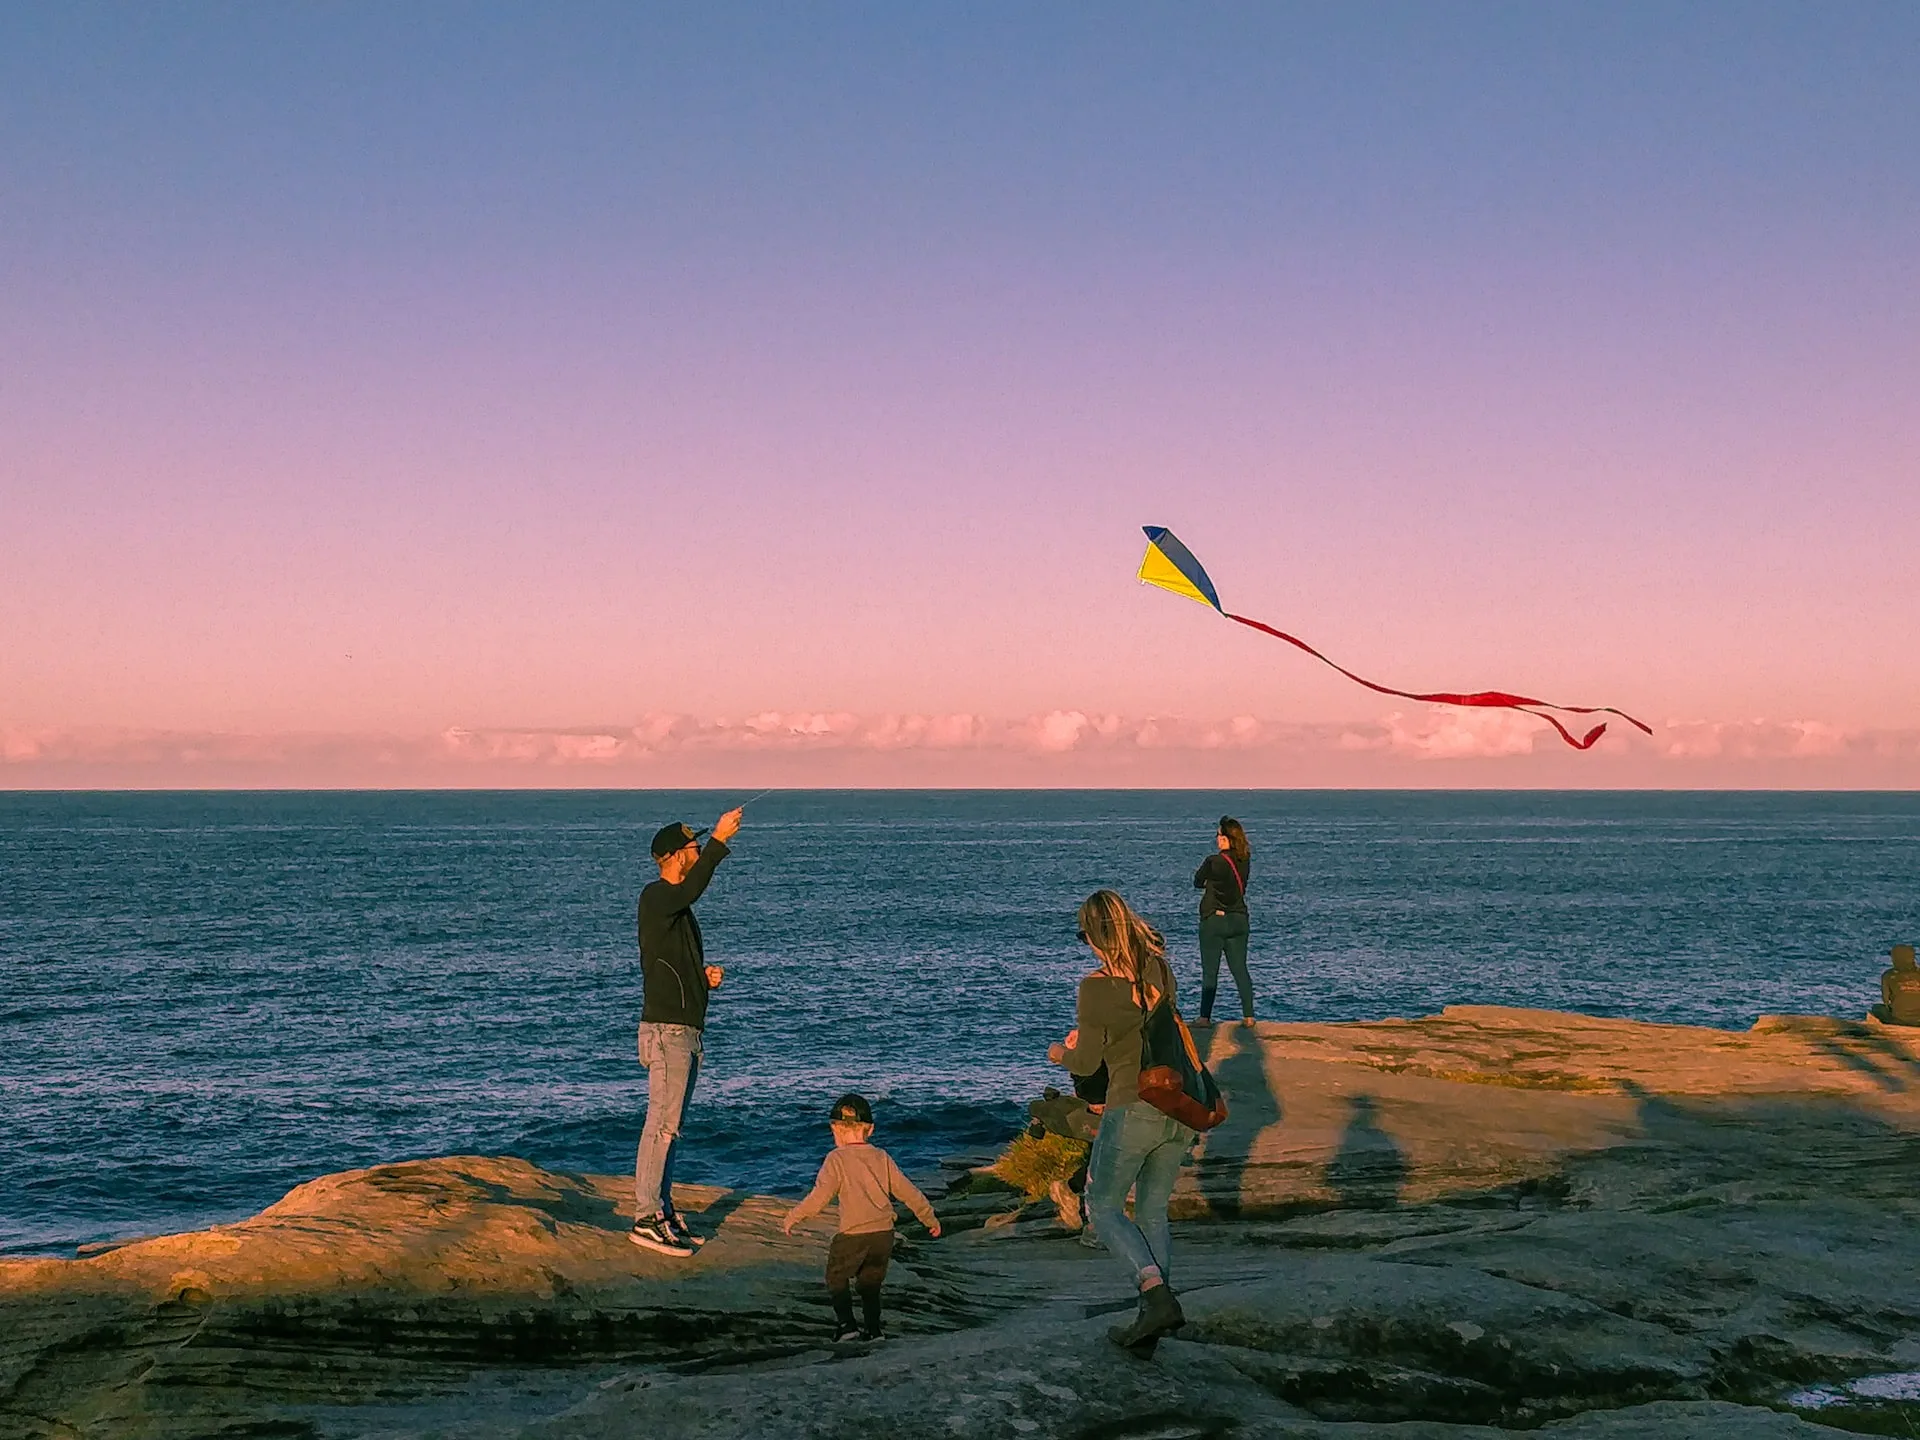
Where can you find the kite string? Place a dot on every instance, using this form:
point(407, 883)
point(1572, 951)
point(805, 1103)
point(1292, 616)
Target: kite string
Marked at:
point(706, 829)
point(1486, 699)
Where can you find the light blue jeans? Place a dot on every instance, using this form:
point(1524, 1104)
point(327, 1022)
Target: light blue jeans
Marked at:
point(1141, 1150)
point(671, 1054)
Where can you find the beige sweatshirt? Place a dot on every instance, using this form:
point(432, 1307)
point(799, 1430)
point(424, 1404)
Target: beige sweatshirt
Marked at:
point(867, 1182)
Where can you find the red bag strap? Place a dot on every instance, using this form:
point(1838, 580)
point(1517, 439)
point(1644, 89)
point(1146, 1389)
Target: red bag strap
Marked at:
point(1238, 877)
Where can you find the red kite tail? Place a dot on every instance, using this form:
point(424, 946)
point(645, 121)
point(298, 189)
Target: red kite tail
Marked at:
point(1483, 699)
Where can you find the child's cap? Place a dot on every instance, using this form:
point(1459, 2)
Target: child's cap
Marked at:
point(852, 1109)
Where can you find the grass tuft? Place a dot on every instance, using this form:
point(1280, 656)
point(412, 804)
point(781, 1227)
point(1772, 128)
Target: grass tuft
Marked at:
point(1033, 1165)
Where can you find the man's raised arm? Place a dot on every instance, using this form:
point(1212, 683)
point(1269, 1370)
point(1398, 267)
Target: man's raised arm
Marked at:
point(673, 898)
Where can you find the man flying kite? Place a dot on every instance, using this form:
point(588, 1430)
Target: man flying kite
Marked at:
point(1171, 566)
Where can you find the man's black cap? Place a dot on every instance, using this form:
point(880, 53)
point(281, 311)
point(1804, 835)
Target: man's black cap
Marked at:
point(852, 1110)
point(670, 838)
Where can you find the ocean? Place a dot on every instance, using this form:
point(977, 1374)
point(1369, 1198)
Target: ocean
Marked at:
point(207, 998)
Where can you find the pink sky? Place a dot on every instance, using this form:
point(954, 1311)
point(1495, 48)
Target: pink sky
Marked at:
point(833, 474)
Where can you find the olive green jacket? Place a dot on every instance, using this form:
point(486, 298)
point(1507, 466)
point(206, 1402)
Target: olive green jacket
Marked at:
point(1109, 1022)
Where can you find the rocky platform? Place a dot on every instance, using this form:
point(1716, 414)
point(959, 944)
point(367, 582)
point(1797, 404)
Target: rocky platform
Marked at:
point(1481, 1222)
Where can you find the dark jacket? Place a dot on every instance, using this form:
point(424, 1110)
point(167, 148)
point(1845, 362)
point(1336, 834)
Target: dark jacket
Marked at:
point(1224, 889)
point(673, 964)
point(1900, 988)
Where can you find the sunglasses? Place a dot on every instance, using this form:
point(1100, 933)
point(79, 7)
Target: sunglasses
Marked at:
point(1083, 937)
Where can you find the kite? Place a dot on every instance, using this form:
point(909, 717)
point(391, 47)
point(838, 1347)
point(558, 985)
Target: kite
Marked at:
point(1171, 566)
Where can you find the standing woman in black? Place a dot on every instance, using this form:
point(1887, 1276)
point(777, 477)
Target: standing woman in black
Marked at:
point(1222, 883)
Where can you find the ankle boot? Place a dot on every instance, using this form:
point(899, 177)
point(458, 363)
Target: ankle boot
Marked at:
point(1159, 1314)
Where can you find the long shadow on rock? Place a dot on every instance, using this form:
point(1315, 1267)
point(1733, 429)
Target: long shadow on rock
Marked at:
point(1775, 1233)
point(1369, 1169)
point(715, 1213)
point(1880, 1058)
point(1239, 1067)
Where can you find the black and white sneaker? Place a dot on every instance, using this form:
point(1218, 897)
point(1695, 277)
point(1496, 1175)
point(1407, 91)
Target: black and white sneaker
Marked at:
point(653, 1233)
point(682, 1232)
point(847, 1336)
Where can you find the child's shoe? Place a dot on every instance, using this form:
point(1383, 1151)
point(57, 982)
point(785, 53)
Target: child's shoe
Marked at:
point(848, 1335)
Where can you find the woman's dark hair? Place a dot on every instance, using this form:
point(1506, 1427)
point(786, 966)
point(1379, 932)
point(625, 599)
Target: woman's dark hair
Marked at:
point(1236, 839)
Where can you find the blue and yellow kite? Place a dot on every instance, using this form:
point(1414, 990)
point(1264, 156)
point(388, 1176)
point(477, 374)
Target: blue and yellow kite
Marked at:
point(1171, 566)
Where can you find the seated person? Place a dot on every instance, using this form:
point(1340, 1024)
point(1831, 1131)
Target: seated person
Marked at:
point(1900, 989)
point(1073, 1117)
point(1068, 1115)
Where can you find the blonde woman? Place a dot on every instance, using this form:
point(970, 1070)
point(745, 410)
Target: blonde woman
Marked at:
point(1138, 1148)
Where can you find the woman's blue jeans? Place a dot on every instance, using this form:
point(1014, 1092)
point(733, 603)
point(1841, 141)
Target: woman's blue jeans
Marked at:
point(1141, 1150)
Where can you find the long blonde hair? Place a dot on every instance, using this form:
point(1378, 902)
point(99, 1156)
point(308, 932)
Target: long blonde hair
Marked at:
point(1127, 945)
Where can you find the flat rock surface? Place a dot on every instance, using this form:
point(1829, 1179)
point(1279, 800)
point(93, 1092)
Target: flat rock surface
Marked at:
point(1478, 1223)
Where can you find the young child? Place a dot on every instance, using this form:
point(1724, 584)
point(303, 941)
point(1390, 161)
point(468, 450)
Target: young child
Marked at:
point(867, 1182)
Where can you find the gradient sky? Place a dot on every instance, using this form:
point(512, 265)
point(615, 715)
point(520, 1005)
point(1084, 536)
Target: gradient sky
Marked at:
point(497, 372)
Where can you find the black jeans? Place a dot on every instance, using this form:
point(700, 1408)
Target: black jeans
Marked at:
point(858, 1262)
point(1224, 934)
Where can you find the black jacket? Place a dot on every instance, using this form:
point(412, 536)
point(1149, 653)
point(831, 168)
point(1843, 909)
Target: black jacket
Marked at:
point(1224, 889)
point(673, 970)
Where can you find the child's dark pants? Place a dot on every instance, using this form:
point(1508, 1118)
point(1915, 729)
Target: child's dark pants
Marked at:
point(858, 1261)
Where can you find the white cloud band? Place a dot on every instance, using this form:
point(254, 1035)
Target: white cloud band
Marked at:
point(1433, 735)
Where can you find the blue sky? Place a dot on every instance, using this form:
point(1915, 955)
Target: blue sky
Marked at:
point(1531, 345)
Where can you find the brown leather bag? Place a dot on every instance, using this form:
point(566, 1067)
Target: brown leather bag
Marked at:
point(1173, 1078)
